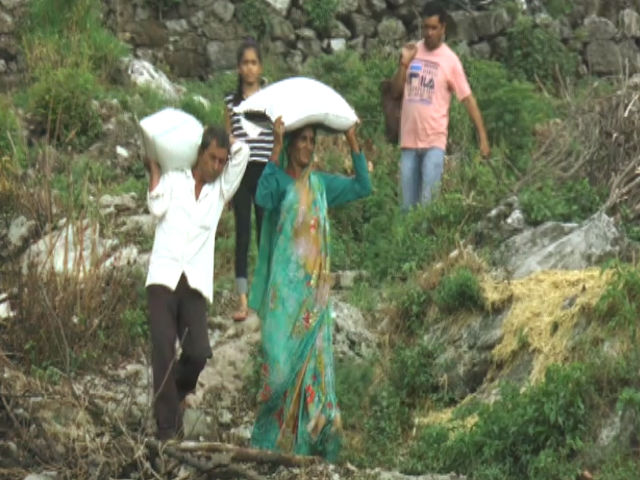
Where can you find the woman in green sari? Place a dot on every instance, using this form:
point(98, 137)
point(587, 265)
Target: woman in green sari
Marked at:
point(298, 410)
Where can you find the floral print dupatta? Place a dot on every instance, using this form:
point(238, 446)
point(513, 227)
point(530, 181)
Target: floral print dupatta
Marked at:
point(298, 412)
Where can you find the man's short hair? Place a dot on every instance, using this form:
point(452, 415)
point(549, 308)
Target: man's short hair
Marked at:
point(211, 133)
point(435, 9)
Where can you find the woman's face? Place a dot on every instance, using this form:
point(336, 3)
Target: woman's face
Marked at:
point(301, 149)
point(250, 68)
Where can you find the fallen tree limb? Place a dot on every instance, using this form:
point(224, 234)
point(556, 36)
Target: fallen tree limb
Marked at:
point(220, 467)
point(242, 454)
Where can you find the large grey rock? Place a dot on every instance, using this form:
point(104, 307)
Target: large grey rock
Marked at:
point(630, 56)
point(308, 43)
point(7, 25)
point(221, 31)
point(378, 6)
point(281, 29)
point(222, 55)
point(599, 28)
point(337, 44)
point(492, 22)
point(604, 57)
point(390, 30)
point(339, 30)
point(127, 202)
point(143, 223)
point(224, 10)
point(281, 6)
point(561, 246)
point(148, 33)
point(20, 231)
point(362, 25)
point(462, 27)
point(177, 26)
point(3, 66)
point(74, 248)
point(351, 336)
point(481, 50)
point(143, 73)
point(629, 23)
point(11, 4)
point(346, 6)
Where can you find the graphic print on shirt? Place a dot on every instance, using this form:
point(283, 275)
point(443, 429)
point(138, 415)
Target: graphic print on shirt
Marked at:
point(421, 81)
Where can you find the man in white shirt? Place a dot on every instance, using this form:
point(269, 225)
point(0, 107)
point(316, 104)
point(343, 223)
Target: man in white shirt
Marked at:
point(188, 205)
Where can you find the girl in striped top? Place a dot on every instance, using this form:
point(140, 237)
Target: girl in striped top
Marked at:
point(249, 61)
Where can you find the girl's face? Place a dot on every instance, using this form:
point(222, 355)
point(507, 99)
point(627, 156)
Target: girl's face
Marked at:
point(250, 68)
point(301, 149)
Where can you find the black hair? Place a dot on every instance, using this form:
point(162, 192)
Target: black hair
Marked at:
point(435, 9)
point(247, 44)
point(211, 133)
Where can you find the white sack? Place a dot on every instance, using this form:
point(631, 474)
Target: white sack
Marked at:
point(301, 101)
point(172, 137)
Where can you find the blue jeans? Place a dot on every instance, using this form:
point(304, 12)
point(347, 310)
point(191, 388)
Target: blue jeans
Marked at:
point(420, 175)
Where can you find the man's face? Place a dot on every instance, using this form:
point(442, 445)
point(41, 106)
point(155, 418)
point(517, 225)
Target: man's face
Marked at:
point(250, 68)
point(212, 161)
point(301, 149)
point(432, 32)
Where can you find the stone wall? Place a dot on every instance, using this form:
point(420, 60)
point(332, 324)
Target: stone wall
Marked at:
point(193, 38)
point(11, 11)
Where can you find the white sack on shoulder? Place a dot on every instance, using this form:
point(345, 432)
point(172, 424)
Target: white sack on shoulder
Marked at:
point(301, 101)
point(172, 137)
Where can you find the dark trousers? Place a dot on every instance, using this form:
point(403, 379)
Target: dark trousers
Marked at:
point(180, 314)
point(242, 201)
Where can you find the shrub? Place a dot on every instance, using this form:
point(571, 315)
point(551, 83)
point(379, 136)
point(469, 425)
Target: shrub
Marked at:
point(353, 379)
point(62, 102)
point(518, 436)
point(254, 17)
point(70, 34)
point(510, 110)
point(415, 374)
point(76, 322)
point(412, 304)
point(570, 201)
point(459, 290)
point(12, 142)
point(321, 13)
point(536, 54)
point(619, 305)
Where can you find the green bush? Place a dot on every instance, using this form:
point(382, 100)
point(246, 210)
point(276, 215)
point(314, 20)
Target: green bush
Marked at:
point(412, 304)
point(321, 13)
point(521, 435)
point(415, 373)
point(254, 17)
point(458, 290)
point(61, 101)
point(570, 201)
point(70, 33)
point(510, 110)
point(536, 54)
point(12, 143)
point(353, 379)
point(619, 305)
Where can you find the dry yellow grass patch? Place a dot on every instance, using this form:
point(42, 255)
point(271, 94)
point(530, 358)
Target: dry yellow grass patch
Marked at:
point(545, 308)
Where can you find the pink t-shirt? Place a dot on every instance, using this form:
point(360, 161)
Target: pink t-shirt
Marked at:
point(431, 77)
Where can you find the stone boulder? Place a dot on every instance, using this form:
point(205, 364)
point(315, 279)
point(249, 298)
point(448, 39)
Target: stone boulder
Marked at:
point(391, 30)
point(604, 57)
point(143, 73)
point(629, 23)
point(351, 337)
point(599, 28)
point(565, 246)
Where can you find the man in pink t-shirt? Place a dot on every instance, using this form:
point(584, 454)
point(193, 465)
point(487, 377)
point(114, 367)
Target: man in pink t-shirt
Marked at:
point(429, 71)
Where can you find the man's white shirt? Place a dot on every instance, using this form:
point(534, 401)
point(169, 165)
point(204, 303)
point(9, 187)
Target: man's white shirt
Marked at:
point(185, 234)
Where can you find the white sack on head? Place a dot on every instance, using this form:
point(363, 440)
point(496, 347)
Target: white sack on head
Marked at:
point(301, 101)
point(172, 137)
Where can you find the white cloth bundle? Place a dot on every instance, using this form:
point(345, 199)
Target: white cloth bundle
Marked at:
point(301, 101)
point(172, 137)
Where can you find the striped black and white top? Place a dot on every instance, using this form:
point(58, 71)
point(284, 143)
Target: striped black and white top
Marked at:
point(259, 146)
